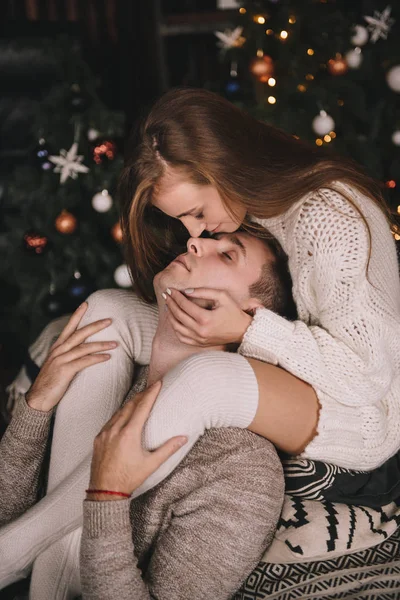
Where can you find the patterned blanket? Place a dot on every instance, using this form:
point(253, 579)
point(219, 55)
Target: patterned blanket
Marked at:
point(371, 574)
point(321, 530)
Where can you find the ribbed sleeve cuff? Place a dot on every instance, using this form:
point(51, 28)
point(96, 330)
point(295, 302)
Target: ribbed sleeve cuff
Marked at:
point(342, 436)
point(266, 336)
point(102, 518)
point(27, 422)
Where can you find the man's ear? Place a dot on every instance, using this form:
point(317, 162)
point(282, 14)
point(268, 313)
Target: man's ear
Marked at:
point(251, 305)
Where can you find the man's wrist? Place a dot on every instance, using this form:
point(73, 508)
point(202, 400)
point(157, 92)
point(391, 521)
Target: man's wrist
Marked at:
point(103, 497)
point(36, 403)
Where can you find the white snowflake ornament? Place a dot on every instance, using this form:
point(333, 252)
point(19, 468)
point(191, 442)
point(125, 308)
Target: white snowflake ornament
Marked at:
point(69, 163)
point(379, 25)
point(230, 38)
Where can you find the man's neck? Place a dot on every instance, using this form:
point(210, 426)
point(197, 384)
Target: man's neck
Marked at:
point(167, 351)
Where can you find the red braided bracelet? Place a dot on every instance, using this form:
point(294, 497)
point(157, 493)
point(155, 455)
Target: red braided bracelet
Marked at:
point(107, 492)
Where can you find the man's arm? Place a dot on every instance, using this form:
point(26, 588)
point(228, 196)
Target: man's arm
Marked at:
point(22, 450)
point(218, 532)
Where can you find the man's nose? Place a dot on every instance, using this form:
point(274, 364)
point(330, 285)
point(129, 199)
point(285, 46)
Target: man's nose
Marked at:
point(196, 246)
point(201, 246)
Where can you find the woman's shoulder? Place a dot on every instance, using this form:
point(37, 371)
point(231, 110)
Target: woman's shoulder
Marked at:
point(336, 209)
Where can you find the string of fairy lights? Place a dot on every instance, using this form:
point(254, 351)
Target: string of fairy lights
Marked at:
point(262, 66)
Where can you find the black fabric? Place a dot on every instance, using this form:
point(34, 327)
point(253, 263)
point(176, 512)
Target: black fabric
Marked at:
point(317, 480)
point(32, 369)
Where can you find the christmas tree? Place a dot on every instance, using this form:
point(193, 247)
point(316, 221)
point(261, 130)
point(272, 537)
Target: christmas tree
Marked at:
point(325, 70)
point(60, 236)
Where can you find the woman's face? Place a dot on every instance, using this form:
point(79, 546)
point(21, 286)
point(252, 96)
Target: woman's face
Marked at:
point(199, 207)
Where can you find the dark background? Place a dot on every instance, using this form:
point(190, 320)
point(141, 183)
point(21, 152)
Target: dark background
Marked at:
point(138, 48)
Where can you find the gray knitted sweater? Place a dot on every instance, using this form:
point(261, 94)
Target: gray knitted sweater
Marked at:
point(198, 534)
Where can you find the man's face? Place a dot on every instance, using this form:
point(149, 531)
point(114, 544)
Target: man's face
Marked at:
point(227, 261)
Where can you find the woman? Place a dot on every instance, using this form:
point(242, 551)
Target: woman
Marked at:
point(325, 387)
point(203, 162)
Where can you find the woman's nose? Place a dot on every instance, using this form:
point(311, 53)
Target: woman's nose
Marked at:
point(195, 229)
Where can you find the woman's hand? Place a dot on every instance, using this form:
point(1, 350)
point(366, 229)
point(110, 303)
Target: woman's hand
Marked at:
point(67, 356)
point(119, 462)
point(226, 323)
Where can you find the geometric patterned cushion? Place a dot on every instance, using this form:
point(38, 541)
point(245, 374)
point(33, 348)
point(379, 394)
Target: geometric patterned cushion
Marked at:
point(320, 530)
point(370, 574)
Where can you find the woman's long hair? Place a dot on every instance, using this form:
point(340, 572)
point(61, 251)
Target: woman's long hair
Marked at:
point(210, 141)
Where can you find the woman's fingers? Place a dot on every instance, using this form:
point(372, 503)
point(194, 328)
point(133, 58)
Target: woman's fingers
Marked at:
point(178, 327)
point(71, 325)
point(180, 314)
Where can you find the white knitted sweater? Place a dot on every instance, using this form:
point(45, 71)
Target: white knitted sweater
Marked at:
point(346, 343)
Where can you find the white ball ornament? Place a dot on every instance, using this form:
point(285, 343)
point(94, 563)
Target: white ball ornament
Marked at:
point(354, 58)
point(393, 78)
point(396, 138)
point(360, 36)
point(92, 134)
point(323, 123)
point(121, 276)
point(102, 201)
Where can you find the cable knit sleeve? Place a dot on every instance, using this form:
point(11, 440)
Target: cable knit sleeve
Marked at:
point(344, 351)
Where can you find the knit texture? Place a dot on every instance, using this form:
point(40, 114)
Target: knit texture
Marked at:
point(197, 535)
point(211, 389)
point(346, 343)
point(89, 402)
point(195, 395)
point(19, 472)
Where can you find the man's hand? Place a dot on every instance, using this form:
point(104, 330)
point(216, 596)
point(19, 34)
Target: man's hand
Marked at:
point(67, 356)
point(119, 461)
point(226, 323)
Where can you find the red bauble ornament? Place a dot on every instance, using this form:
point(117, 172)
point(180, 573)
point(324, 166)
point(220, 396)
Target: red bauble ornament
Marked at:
point(338, 65)
point(104, 151)
point(262, 66)
point(116, 232)
point(35, 243)
point(66, 222)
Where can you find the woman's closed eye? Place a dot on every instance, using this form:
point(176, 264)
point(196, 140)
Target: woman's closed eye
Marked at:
point(227, 255)
point(199, 216)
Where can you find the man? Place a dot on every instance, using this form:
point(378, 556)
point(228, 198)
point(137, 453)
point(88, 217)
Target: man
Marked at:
point(202, 530)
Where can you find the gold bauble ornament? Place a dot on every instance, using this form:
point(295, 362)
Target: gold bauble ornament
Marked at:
point(66, 222)
point(262, 66)
point(338, 65)
point(116, 232)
